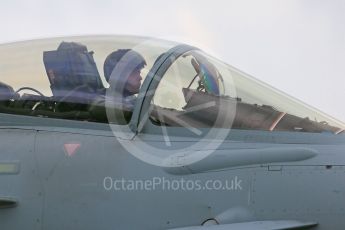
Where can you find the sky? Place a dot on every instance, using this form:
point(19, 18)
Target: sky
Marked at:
point(296, 46)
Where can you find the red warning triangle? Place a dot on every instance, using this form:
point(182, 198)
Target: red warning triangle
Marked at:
point(71, 148)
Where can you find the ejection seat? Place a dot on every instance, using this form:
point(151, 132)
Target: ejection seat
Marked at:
point(73, 76)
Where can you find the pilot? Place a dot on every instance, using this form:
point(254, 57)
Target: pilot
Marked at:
point(122, 70)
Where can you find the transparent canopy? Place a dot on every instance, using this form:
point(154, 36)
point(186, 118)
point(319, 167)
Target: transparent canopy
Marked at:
point(22, 64)
point(199, 91)
point(67, 78)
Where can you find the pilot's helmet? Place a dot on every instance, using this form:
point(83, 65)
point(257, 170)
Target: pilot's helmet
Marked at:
point(6, 92)
point(130, 59)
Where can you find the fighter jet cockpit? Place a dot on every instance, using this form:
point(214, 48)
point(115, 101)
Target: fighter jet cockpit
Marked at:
point(79, 78)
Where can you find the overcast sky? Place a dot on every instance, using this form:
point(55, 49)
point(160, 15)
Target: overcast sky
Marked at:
point(297, 46)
